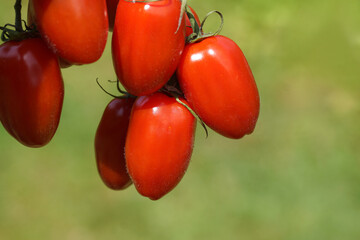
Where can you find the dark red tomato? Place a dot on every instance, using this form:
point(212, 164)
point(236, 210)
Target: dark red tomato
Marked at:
point(31, 91)
point(147, 44)
point(189, 29)
point(219, 85)
point(111, 9)
point(110, 144)
point(76, 30)
point(159, 144)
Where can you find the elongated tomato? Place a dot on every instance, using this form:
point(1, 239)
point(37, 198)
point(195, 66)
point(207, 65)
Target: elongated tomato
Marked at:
point(147, 43)
point(76, 30)
point(159, 144)
point(110, 144)
point(31, 91)
point(219, 85)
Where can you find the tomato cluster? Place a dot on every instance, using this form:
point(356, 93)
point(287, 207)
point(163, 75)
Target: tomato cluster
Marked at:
point(173, 74)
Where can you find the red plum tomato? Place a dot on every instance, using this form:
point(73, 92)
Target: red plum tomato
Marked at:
point(110, 143)
point(159, 144)
point(31, 91)
point(219, 85)
point(147, 43)
point(76, 30)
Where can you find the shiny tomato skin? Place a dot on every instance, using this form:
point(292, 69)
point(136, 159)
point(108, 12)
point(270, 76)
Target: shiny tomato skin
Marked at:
point(76, 30)
point(111, 10)
point(31, 22)
point(147, 44)
point(31, 91)
point(110, 143)
point(189, 29)
point(219, 85)
point(159, 144)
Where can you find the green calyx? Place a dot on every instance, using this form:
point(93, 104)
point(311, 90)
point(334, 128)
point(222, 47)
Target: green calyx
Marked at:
point(11, 33)
point(182, 11)
point(198, 34)
point(20, 30)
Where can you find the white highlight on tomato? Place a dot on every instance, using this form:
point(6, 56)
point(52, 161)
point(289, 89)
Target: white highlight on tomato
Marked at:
point(211, 52)
point(196, 57)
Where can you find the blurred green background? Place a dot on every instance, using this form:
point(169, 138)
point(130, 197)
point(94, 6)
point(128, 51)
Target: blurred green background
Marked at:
point(296, 177)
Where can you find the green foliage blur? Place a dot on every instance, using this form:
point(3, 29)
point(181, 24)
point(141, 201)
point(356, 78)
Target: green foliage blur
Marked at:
point(296, 177)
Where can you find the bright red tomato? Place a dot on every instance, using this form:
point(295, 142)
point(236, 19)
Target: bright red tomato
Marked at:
point(31, 21)
point(159, 144)
point(189, 29)
point(219, 85)
point(111, 9)
point(76, 30)
point(110, 143)
point(31, 91)
point(147, 44)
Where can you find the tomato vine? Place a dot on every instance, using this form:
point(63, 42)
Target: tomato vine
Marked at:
point(18, 32)
point(198, 34)
point(168, 70)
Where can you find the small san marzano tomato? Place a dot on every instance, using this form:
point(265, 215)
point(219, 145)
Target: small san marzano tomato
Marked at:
point(110, 143)
point(219, 85)
point(76, 30)
point(159, 144)
point(31, 91)
point(147, 43)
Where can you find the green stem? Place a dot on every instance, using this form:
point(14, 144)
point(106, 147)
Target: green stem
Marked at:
point(183, 9)
point(195, 115)
point(125, 94)
point(198, 34)
point(18, 21)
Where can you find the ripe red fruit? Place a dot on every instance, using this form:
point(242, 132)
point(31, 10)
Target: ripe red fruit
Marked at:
point(159, 144)
point(147, 44)
point(31, 91)
point(219, 85)
point(110, 143)
point(76, 30)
